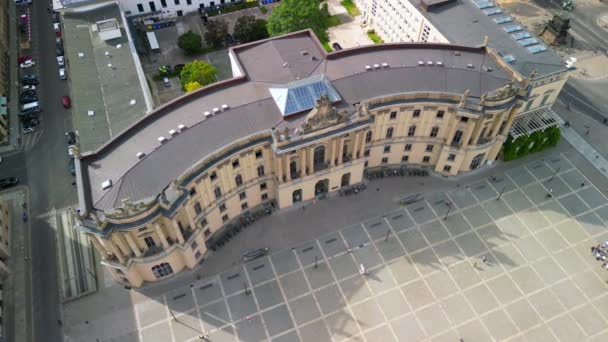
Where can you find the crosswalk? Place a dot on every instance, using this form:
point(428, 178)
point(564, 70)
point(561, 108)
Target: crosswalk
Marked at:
point(28, 141)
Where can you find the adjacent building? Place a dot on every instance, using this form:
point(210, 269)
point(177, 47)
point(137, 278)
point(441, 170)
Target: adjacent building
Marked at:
point(169, 8)
point(5, 221)
point(4, 71)
point(300, 126)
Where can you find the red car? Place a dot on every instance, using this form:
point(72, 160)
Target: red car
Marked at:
point(66, 101)
point(22, 59)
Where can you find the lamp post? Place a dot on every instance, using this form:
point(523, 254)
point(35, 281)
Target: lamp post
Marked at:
point(449, 205)
point(501, 192)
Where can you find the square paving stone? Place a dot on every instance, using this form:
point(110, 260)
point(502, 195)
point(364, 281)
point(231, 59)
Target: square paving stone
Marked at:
point(157, 333)
point(319, 276)
point(342, 325)
point(308, 253)
point(376, 227)
point(533, 219)
point(330, 299)
point(441, 284)
point(434, 232)
point(540, 170)
point(400, 220)
point(527, 280)
point(208, 292)
point(464, 274)
point(380, 279)
point(483, 191)
point(344, 266)
point(497, 209)
point(392, 303)
point(437, 201)
point(590, 284)
point(381, 333)
point(559, 163)
point(214, 315)
point(457, 309)
point(589, 319)
point(421, 212)
point(233, 280)
point(412, 240)
point(186, 327)
point(332, 244)
point(554, 212)
point(462, 197)
point(407, 329)
point(481, 299)
point(446, 336)
point(568, 294)
point(488, 270)
point(540, 333)
point(504, 289)
point(569, 260)
point(517, 201)
point(592, 224)
point(315, 332)
point(602, 212)
point(151, 311)
point(592, 197)
point(499, 325)
point(504, 184)
point(548, 270)
point(241, 305)
point(477, 216)
point(433, 319)
point(284, 261)
point(304, 309)
point(573, 204)
point(512, 227)
point(571, 231)
point(456, 224)
point(355, 289)
point(602, 305)
point(508, 256)
point(536, 193)
point(523, 314)
point(368, 256)
point(355, 236)
point(448, 252)
point(368, 314)
point(546, 304)
point(180, 300)
point(291, 336)
point(471, 244)
point(294, 284)
point(531, 249)
point(223, 335)
point(390, 249)
point(417, 294)
point(473, 331)
point(566, 329)
point(574, 178)
point(426, 261)
point(403, 270)
point(552, 241)
point(259, 271)
point(268, 294)
point(521, 176)
point(251, 330)
point(556, 187)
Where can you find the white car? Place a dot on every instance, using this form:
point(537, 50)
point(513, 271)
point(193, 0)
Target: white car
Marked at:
point(29, 87)
point(62, 74)
point(27, 64)
point(60, 61)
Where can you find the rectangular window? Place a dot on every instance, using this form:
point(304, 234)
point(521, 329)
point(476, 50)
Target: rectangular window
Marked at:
point(434, 132)
point(387, 149)
point(203, 222)
point(222, 207)
point(177, 2)
point(366, 153)
point(207, 232)
point(411, 131)
point(389, 133)
point(235, 164)
point(197, 208)
point(260, 170)
point(408, 147)
point(244, 206)
point(368, 136)
point(263, 186)
point(197, 254)
point(447, 168)
point(451, 157)
point(464, 119)
point(163, 3)
point(225, 218)
point(429, 148)
point(193, 191)
point(264, 197)
point(416, 113)
point(194, 244)
point(393, 115)
point(426, 159)
point(405, 159)
point(258, 154)
point(213, 176)
point(140, 8)
point(365, 164)
point(440, 114)
point(188, 2)
point(217, 192)
point(242, 195)
point(149, 241)
point(385, 160)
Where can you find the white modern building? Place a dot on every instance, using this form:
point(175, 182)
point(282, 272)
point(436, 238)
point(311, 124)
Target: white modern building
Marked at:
point(165, 8)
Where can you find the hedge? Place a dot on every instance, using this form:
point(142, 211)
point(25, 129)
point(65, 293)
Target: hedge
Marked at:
point(527, 144)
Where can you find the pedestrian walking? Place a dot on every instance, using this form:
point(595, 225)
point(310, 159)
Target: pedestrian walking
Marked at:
point(59, 322)
point(587, 133)
point(582, 184)
point(484, 259)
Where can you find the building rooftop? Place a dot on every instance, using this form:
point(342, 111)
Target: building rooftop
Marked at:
point(468, 22)
point(140, 165)
point(106, 91)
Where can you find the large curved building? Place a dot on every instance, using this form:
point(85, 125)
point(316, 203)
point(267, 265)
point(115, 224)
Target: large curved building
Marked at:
point(293, 124)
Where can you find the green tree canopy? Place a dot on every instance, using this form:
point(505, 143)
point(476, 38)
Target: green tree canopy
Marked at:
point(295, 15)
point(190, 42)
point(216, 33)
point(248, 29)
point(188, 87)
point(197, 71)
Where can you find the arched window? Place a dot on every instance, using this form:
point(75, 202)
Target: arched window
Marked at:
point(162, 270)
point(296, 196)
point(238, 180)
point(217, 192)
point(319, 158)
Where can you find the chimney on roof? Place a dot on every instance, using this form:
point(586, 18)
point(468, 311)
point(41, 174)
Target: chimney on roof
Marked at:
point(225, 107)
point(162, 140)
point(106, 184)
point(140, 155)
point(173, 132)
point(181, 127)
point(304, 52)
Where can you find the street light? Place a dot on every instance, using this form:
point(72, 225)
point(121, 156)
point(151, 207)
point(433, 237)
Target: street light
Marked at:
point(501, 192)
point(449, 205)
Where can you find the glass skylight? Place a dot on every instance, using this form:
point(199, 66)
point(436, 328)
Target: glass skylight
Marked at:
point(528, 41)
point(521, 35)
point(537, 48)
point(513, 28)
point(492, 11)
point(503, 20)
point(301, 95)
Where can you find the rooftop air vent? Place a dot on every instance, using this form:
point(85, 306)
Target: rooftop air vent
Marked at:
point(225, 107)
point(216, 110)
point(81, 55)
point(429, 63)
point(118, 46)
point(91, 113)
point(162, 140)
point(285, 65)
point(487, 69)
point(109, 65)
point(207, 114)
point(140, 155)
point(107, 53)
point(420, 63)
point(106, 185)
point(314, 58)
point(304, 52)
point(439, 63)
point(173, 132)
point(181, 127)
point(376, 66)
point(470, 66)
point(132, 102)
point(385, 65)
point(456, 53)
point(368, 68)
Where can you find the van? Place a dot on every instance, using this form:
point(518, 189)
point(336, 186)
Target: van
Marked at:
point(31, 107)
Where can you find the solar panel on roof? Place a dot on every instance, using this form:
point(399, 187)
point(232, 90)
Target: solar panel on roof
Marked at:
point(492, 11)
point(513, 28)
point(503, 20)
point(521, 35)
point(483, 5)
point(509, 58)
point(537, 48)
point(528, 41)
point(301, 95)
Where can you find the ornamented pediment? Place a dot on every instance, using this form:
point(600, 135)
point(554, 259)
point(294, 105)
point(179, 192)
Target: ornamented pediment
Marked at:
point(322, 115)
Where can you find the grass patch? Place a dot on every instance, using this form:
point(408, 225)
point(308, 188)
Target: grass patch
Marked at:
point(333, 21)
point(350, 8)
point(374, 37)
point(327, 47)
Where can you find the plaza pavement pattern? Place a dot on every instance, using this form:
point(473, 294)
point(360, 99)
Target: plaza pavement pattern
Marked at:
point(426, 279)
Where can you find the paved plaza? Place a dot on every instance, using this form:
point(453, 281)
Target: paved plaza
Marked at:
point(426, 276)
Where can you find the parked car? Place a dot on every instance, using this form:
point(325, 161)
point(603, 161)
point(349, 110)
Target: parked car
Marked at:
point(27, 64)
point(59, 51)
point(178, 68)
point(72, 167)
point(59, 42)
point(24, 58)
point(57, 29)
point(28, 93)
point(60, 61)
point(30, 82)
point(23, 2)
point(28, 99)
point(29, 77)
point(254, 254)
point(167, 82)
point(62, 74)
point(29, 87)
point(56, 17)
point(70, 138)
point(66, 101)
point(336, 46)
point(6, 183)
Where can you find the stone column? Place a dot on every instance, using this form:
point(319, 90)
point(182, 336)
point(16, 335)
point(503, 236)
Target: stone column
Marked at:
point(333, 152)
point(467, 134)
point(178, 232)
point(109, 244)
point(279, 161)
point(286, 167)
point(161, 235)
point(362, 147)
point(509, 122)
point(303, 161)
point(133, 244)
point(102, 251)
point(120, 241)
point(340, 149)
point(310, 152)
point(496, 124)
point(477, 130)
point(450, 134)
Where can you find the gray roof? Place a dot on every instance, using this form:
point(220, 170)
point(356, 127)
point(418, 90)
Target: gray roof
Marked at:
point(253, 110)
point(464, 23)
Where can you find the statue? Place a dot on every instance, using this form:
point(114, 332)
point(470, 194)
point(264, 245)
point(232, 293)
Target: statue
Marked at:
point(362, 109)
point(555, 31)
point(465, 97)
point(322, 115)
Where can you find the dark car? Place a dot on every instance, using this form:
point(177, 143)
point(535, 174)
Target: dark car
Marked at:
point(70, 138)
point(72, 167)
point(28, 99)
point(6, 183)
point(178, 68)
point(30, 77)
point(254, 254)
point(30, 81)
point(59, 51)
point(30, 92)
point(55, 17)
point(336, 46)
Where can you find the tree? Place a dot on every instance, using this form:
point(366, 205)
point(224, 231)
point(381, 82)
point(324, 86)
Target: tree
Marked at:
point(197, 71)
point(248, 29)
point(192, 86)
point(190, 42)
point(216, 33)
point(295, 15)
